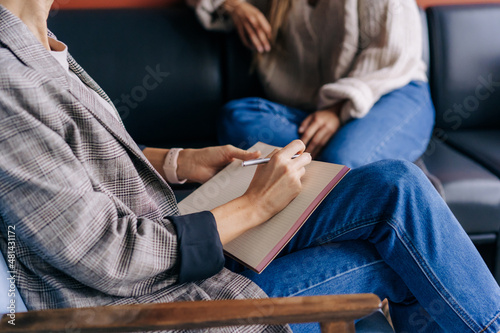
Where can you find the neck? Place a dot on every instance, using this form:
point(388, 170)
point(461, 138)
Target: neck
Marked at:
point(34, 14)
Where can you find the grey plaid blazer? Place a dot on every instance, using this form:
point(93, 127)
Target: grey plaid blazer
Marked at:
point(88, 208)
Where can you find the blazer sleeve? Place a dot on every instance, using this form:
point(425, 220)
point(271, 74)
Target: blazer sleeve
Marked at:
point(60, 214)
point(390, 57)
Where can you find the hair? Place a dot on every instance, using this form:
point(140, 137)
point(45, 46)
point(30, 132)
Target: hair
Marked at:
point(278, 11)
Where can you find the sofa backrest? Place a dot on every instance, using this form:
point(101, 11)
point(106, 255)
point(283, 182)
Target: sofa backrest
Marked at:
point(465, 66)
point(130, 52)
point(153, 63)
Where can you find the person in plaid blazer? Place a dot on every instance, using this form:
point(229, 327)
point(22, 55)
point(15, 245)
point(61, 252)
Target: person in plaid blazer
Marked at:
point(97, 224)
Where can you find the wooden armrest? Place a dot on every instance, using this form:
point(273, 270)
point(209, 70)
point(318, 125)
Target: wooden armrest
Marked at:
point(336, 312)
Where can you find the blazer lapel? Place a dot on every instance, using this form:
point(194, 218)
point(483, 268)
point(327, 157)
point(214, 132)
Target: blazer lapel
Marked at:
point(85, 78)
point(113, 124)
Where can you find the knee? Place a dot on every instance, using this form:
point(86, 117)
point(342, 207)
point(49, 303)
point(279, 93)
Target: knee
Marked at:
point(240, 111)
point(394, 175)
point(250, 104)
point(238, 122)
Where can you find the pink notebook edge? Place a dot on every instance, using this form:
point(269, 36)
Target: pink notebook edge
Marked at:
point(296, 226)
point(302, 219)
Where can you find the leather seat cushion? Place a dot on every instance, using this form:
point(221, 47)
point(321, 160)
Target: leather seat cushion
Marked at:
point(471, 191)
point(483, 146)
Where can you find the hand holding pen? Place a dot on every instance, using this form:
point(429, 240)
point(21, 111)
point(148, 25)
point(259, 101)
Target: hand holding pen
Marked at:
point(279, 180)
point(262, 160)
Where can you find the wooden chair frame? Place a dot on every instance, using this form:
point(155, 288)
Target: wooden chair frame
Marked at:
point(335, 313)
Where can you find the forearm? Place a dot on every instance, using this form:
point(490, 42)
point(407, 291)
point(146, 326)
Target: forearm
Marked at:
point(236, 217)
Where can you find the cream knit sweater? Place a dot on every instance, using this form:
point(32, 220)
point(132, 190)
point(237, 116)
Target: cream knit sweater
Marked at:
point(341, 50)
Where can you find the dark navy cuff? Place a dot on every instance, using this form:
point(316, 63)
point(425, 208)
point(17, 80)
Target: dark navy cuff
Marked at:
point(200, 248)
point(142, 147)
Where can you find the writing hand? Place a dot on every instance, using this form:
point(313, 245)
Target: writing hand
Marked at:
point(278, 182)
point(273, 187)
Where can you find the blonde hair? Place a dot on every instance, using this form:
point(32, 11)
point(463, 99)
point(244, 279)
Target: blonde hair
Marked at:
point(278, 12)
point(277, 15)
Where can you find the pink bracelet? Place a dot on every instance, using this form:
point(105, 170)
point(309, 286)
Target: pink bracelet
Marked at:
point(170, 166)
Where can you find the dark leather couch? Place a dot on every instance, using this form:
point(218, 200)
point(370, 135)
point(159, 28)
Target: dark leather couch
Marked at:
point(465, 151)
point(169, 78)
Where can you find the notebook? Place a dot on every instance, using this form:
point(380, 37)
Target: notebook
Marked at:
point(257, 247)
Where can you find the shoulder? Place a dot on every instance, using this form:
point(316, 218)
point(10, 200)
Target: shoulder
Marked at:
point(17, 79)
point(378, 13)
point(26, 94)
point(386, 6)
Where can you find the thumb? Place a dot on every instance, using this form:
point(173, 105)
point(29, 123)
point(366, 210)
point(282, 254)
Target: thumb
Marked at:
point(243, 155)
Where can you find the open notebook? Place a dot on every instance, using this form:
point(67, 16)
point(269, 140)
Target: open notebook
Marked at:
point(257, 247)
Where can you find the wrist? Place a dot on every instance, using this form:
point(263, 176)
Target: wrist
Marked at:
point(231, 5)
point(258, 211)
point(336, 108)
point(185, 163)
point(171, 167)
point(236, 217)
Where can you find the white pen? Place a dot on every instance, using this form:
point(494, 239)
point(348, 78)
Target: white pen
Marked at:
point(262, 160)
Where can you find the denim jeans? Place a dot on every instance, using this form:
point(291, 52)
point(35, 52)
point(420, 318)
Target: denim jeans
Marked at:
point(385, 230)
point(399, 126)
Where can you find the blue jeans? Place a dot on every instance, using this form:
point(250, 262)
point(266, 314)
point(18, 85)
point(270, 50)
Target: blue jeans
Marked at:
point(385, 230)
point(399, 126)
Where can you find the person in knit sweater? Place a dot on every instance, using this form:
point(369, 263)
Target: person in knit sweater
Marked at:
point(346, 77)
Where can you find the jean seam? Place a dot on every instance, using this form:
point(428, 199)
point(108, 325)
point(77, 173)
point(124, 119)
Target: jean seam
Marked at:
point(452, 303)
point(491, 322)
point(336, 276)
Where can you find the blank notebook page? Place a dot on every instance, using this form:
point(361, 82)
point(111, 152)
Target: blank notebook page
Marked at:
point(259, 244)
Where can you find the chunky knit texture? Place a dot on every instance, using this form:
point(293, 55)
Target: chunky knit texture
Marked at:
point(341, 50)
